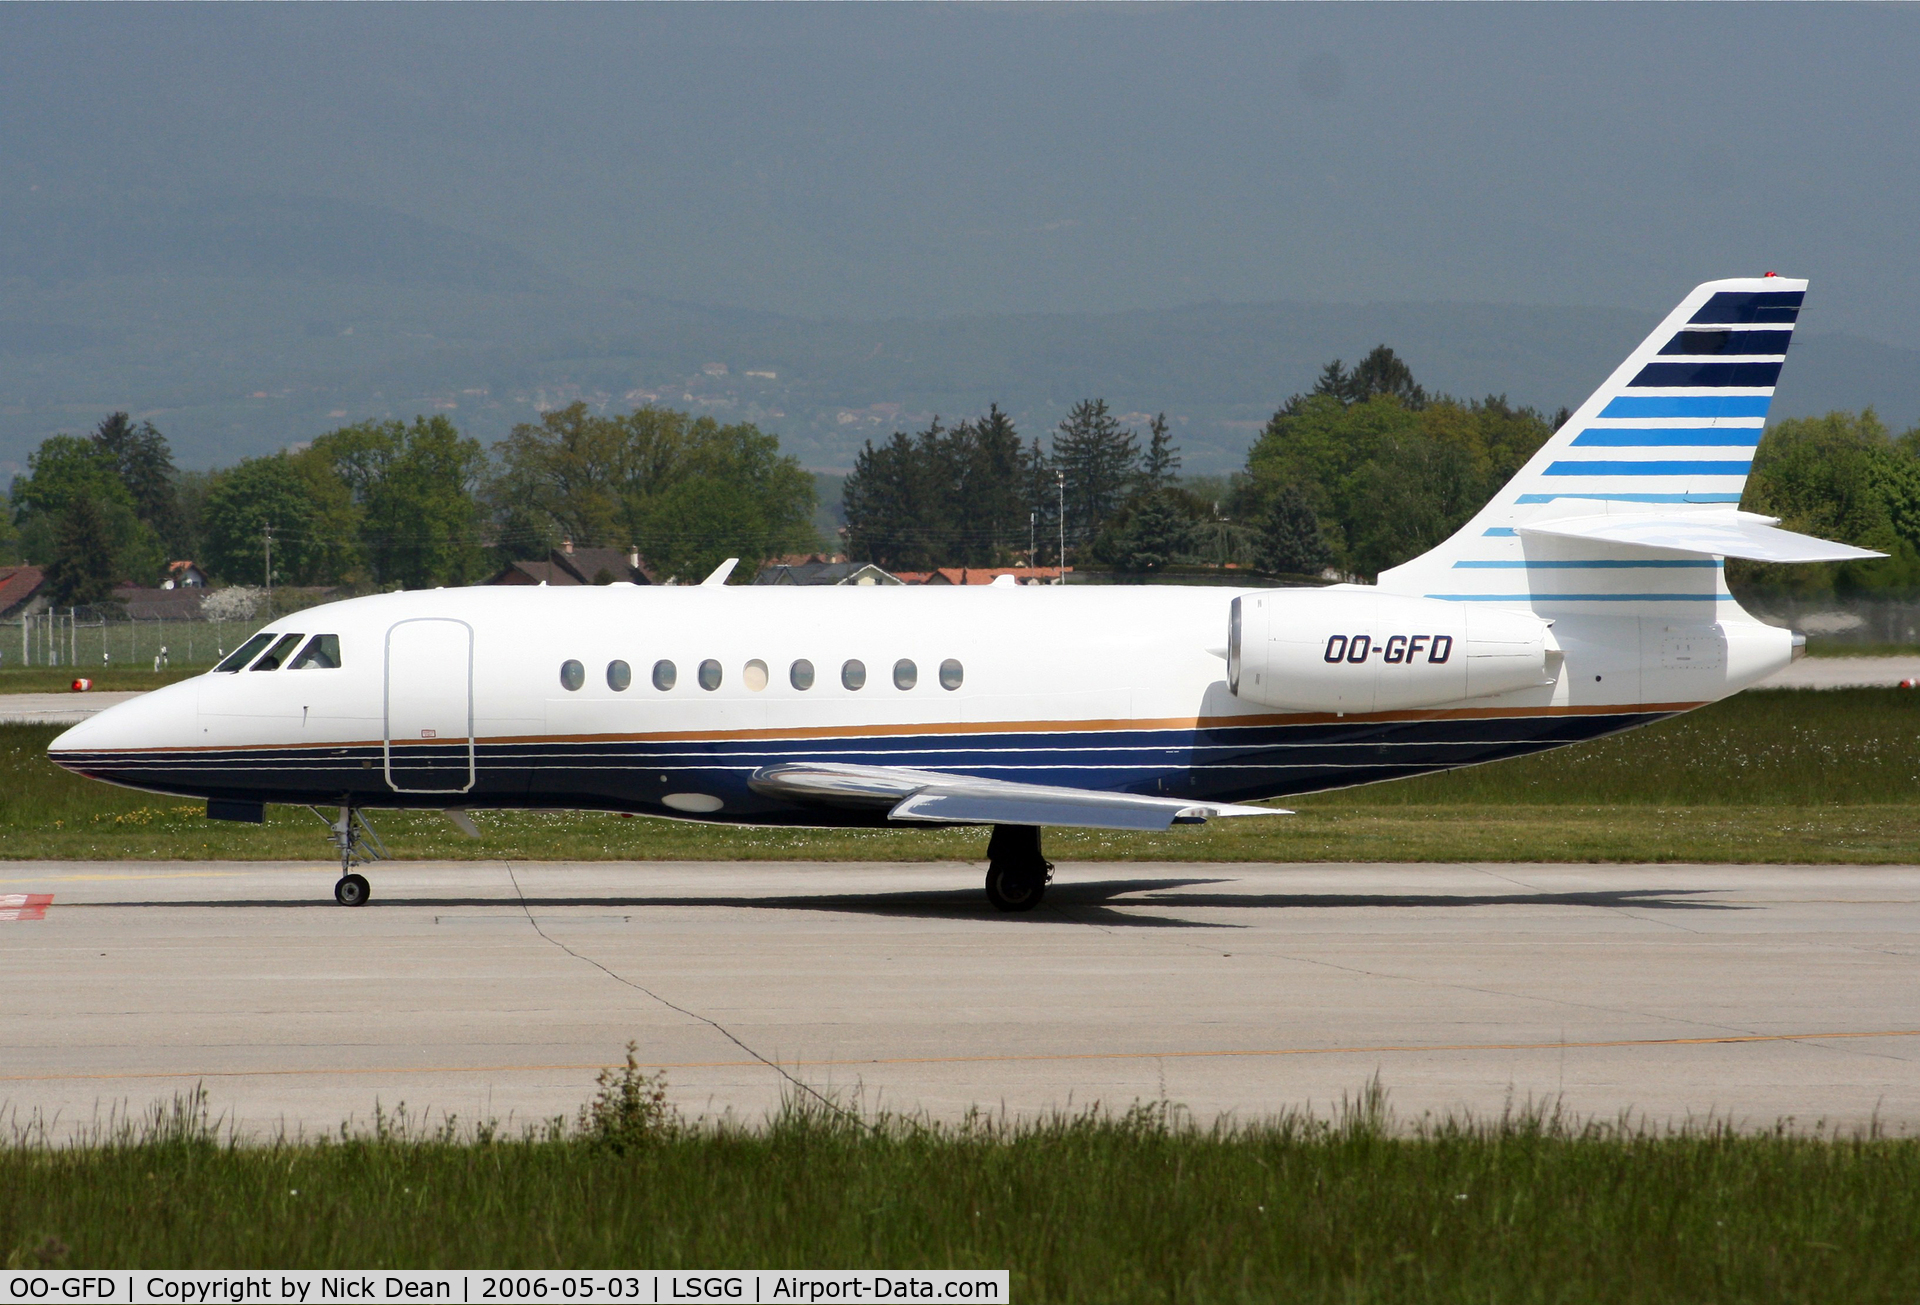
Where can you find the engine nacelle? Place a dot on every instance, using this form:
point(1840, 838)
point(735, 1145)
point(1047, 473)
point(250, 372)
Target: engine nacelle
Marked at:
point(1350, 648)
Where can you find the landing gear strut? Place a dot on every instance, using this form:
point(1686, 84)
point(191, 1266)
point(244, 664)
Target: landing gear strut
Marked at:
point(358, 844)
point(1017, 874)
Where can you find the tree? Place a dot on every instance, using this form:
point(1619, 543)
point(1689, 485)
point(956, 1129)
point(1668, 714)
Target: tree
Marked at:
point(1386, 470)
point(81, 570)
point(1290, 541)
point(1380, 372)
point(1161, 466)
point(140, 457)
point(413, 485)
point(641, 479)
point(1101, 460)
point(1158, 526)
point(63, 473)
point(309, 512)
point(1837, 477)
point(943, 497)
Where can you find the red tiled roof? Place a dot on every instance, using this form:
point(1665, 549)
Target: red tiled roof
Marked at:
point(17, 585)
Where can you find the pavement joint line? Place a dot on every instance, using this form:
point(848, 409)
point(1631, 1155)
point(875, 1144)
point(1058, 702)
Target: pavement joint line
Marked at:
point(1728, 1039)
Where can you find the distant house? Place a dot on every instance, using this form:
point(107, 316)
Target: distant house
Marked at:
point(22, 590)
point(184, 575)
point(983, 575)
point(567, 565)
point(824, 573)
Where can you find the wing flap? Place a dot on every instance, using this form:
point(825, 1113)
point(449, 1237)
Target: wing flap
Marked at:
point(936, 797)
point(1717, 534)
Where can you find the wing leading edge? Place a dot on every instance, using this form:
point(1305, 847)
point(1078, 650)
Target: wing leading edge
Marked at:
point(935, 797)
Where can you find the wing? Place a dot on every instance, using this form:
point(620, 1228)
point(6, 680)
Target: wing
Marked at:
point(936, 797)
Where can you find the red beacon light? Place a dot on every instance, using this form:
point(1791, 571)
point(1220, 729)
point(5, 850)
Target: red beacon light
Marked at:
point(82, 685)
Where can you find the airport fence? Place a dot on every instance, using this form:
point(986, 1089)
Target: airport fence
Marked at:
point(179, 633)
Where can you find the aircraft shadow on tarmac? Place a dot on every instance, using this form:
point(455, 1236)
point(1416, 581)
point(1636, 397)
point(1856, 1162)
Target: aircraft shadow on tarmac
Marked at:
point(1089, 903)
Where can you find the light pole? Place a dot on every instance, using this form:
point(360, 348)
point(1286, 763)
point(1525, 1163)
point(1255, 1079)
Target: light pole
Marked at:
point(1060, 483)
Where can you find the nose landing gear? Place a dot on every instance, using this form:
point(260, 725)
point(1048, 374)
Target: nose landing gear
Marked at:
point(358, 844)
point(1017, 874)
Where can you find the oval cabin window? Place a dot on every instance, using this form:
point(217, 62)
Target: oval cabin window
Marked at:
point(709, 675)
point(754, 675)
point(801, 675)
point(572, 675)
point(664, 675)
point(905, 674)
point(853, 675)
point(619, 676)
point(952, 673)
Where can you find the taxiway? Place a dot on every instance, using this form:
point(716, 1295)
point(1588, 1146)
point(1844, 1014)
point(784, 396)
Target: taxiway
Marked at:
point(1671, 991)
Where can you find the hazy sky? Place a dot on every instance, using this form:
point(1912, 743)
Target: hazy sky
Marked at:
point(878, 160)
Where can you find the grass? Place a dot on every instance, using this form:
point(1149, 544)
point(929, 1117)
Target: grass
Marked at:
point(1818, 647)
point(1135, 1206)
point(1780, 776)
point(112, 679)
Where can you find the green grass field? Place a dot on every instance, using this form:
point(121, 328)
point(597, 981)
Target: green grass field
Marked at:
point(1763, 777)
point(1097, 1208)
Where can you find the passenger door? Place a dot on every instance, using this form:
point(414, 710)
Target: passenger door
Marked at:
point(429, 706)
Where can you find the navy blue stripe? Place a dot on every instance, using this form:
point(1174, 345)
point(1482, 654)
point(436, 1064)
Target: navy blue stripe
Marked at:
point(1744, 375)
point(1704, 343)
point(1689, 405)
point(1737, 307)
point(1656, 437)
point(1649, 468)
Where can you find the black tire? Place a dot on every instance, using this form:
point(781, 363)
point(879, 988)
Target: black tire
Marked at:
point(352, 890)
point(1016, 888)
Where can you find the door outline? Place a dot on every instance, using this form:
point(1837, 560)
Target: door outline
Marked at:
point(386, 705)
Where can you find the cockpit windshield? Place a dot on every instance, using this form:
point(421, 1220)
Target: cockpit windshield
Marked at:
point(246, 652)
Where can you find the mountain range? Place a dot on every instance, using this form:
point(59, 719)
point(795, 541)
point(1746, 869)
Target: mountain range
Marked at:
point(262, 321)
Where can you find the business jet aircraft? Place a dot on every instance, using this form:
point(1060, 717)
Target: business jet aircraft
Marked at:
point(1588, 597)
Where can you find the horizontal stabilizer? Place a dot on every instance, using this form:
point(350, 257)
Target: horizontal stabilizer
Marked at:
point(1718, 534)
point(934, 796)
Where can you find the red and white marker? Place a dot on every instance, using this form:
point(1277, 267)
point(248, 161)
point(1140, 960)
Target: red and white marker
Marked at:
point(82, 684)
point(24, 906)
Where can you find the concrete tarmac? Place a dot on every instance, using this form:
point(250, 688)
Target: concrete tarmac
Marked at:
point(1672, 991)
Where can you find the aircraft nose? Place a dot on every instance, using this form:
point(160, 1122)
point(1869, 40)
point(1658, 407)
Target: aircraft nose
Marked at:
point(165, 718)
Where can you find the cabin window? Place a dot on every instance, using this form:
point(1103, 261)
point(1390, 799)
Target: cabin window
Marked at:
point(321, 653)
point(572, 675)
point(245, 653)
point(905, 674)
point(952, 673)
point(853, 675)
point(278, 653)
point(619, 676)
point(754, 675)
point(801, 675)
point(709, 675)
point(664, 675)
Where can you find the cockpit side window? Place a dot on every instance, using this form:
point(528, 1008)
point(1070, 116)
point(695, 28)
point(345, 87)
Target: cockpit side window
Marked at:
point(278, 653)
point(321, 653)
point(245, 653)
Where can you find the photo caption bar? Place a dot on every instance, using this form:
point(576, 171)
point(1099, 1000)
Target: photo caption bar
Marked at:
point(477, 1287)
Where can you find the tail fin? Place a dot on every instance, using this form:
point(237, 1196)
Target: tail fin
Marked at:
point(1665, 446)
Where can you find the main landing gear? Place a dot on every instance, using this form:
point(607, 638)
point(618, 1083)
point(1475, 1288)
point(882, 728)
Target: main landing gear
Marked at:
point(358, 844)
point(1017, 874)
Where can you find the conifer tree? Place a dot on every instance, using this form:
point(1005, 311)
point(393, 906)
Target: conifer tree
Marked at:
point(1290, 539)
point(1101, 459)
